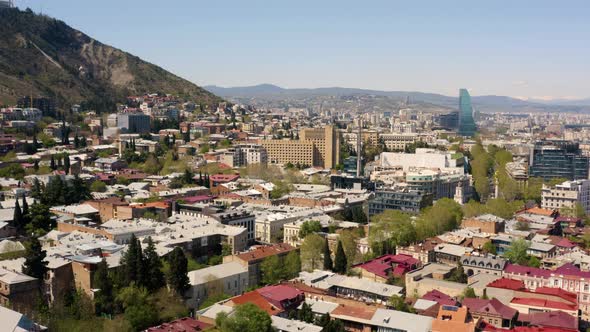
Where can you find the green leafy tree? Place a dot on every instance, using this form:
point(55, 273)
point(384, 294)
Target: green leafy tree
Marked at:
point(40, 220)
point(328, 265)
point(177, 275)
point(311, 252)
point(35, 265)
point(305, 314)
point(534, 262)
point(334, 325)
point(348, 238)
point(398, 303)
point(458, 275)
point(271, 269)
point(139, 311)
point(340, 261)
point(309, 227)
point(245, 318)
point(517, 252)
point(98, 186)
point(469, 293)
point(489, 248)
point(292, 265)
point(389, 229)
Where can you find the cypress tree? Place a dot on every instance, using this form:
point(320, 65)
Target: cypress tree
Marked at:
point(327, 258)
point(52, 163)
point(67, 164)
point(35, 142)
point(36, 191)
point(177, 275)
point(133, 261)
point(59, 162)
point(17, 218)
point(36, 165)
point(154, 278)
point(187, 135)
point(103, 299)
point(76, 141)
point(340, 259)
point(34, 265)
point(25, 211)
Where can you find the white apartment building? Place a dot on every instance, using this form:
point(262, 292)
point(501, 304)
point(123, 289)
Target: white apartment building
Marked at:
point(245, 154)
point(566, 194)
point(227, 278)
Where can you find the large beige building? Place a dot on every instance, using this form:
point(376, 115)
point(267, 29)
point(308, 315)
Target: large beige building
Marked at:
point(315, 147)
point(566, 195)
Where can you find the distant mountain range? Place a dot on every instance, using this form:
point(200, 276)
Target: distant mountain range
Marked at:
point(43, 56)
point(482, 103)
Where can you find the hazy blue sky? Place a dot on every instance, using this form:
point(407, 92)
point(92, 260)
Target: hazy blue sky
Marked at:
point(516, 48)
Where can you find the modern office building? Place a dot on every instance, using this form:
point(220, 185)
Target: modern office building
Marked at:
point(558, 159)
point(133, 123)
point(466, 123)
point(398, 198)
point(448, 121)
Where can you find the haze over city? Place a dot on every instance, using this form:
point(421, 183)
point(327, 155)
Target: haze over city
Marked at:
point(524, 49)
point(275, 166)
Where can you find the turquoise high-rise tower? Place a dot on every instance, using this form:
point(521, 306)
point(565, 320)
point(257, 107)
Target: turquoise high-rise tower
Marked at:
point(466, 123)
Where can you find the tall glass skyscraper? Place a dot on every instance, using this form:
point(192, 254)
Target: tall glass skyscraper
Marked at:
point(466, 123)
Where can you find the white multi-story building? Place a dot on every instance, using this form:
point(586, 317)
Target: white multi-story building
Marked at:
point(425, 158)
point(567, 195)
point(397, 141)
point(245, 154)
point(228, 278)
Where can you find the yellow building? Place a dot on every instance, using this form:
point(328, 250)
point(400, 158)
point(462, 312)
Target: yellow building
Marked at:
point(315, 147)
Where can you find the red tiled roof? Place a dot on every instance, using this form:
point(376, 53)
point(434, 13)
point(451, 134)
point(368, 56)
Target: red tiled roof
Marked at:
point(265, 251)
point(539, 329)
point(180, 325)
point(544, 303)
point(562, 293)
point(255, 298)
point(557, 319)
point(571, 270)
point(439, 297)
point(198, 198)
point(224, 177)
point(506, 283)
point(539, 211)
point(525, 270)
point(382, 265)
point(492, 306)
point(279, 293)
point(565, 243)
point(362, 312)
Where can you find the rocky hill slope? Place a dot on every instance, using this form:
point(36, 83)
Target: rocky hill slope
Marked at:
point(43, 56)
